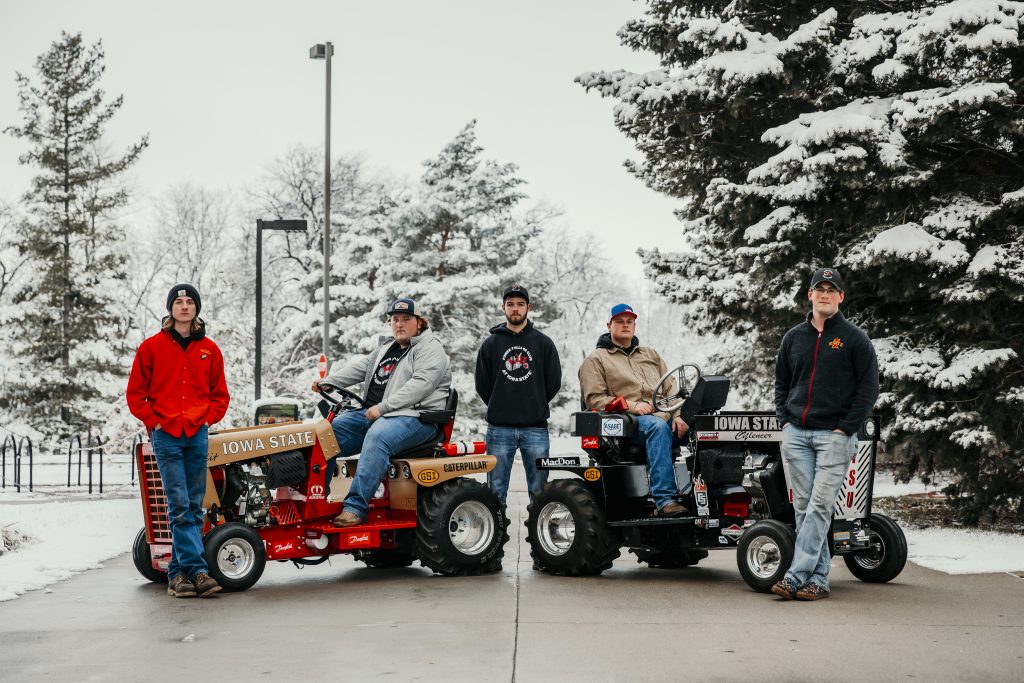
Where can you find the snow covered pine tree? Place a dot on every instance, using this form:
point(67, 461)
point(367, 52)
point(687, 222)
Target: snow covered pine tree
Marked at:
point(69, 321)
point(884, 138)
point(454, 243)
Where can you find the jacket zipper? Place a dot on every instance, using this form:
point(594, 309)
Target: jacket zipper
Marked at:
point(810, 385)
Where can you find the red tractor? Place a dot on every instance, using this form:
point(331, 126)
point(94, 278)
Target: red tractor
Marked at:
point(267, 499)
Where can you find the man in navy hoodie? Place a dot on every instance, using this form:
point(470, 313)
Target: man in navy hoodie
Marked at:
point(517, 374)
point(826, 383)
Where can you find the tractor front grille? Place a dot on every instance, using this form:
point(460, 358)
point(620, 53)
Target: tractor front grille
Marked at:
point(154, 500)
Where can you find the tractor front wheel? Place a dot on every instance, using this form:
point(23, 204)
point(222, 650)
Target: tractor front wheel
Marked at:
point(764, 553)
point(461, 528)
point(235, 556)
point(143, 559)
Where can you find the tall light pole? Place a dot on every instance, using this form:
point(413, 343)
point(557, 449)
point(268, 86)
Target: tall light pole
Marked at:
point(261, 225)
point(325, 51)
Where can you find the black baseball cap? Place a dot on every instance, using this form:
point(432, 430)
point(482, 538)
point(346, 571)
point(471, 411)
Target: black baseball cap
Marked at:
point(403, 305)
point(830, 275)
point(515, 290)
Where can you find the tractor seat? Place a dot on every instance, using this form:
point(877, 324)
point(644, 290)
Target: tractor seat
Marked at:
point(444, 420)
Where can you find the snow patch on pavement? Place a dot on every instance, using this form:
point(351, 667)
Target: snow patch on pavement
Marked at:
point(961, 551)
point(63, 539)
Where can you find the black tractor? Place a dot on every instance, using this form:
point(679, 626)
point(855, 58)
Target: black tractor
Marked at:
point(740, 497)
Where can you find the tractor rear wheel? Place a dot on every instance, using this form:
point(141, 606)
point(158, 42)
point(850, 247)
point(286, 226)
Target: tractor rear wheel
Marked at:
point(886, 557)
point(144, 560)
point(764, 553)
point(670, 558)
point(235, 556)
point(568, 531)
point(461, 528)
point(402, 555)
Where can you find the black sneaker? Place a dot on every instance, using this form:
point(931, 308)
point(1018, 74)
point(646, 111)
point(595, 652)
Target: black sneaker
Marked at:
point(785, 589)
point(180, 587)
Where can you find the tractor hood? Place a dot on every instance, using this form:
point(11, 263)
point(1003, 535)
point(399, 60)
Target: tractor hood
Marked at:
point(246, 443)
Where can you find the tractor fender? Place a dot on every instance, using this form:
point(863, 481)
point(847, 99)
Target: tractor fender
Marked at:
point(432, 471)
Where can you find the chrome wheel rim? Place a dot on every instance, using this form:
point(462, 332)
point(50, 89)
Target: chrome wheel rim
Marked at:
point(871, 559)
point(763, 557)
point(471, 527)
point(236, 558)
point(556, 529)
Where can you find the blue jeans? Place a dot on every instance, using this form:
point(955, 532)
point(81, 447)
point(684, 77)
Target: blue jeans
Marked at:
point(817, 461)
point(502, 443)
point(182, 463)
point(376, 442)
point(659, 440)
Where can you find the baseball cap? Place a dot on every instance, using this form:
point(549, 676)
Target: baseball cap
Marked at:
point(404, 305)
point(515, 290)
point(830, 275)
point(621, 309)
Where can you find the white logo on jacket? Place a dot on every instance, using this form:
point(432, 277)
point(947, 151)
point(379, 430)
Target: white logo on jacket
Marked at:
point(516, 364)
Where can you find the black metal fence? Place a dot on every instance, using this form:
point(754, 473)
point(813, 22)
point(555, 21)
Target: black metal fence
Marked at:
point(85, 455)
point(17, 447)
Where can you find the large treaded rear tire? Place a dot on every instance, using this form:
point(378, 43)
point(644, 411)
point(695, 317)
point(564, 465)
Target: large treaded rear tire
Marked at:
point(143, 559)
point(402, 555)
point(675, 558)
point(887, 556)
point(568, 531)
point(462, 528)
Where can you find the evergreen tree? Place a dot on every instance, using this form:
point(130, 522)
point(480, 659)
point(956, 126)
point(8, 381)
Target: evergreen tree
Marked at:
point(455, 243)
point(883, 138)
point(68, 320)
point(293, 263)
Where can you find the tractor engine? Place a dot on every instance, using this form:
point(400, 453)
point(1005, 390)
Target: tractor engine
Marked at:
point(246, 488)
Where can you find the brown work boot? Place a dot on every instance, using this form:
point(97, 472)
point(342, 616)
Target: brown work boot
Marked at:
point(206, 585)
point(180, 587)
point(347, 518)
point(673, 509)
point(784, 588)
point(812, 591)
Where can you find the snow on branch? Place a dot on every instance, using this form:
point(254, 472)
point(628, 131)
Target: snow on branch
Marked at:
point(968, 366)
point(898, 360)
point(910, 242)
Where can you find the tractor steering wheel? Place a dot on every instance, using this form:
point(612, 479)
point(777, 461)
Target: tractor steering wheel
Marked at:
point(338, 397)
point(669, 395)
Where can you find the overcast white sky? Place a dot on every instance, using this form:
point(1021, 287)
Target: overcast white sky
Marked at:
point(223, 87)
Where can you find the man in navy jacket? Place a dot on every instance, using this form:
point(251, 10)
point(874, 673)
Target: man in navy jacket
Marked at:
point(826, 383)
point(517, 374)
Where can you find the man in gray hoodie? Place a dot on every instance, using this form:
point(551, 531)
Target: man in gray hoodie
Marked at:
point(407, 375)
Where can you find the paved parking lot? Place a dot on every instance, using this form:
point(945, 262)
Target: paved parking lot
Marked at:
point(343, 621)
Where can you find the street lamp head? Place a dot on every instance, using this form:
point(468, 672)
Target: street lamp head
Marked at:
point(290, 225)
point(321, 51)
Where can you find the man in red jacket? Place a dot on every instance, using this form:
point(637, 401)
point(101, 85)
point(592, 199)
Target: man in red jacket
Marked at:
point(177, 389)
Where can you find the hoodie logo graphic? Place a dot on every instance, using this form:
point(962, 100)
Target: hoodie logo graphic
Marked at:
point(836, 343)
point(516, 362)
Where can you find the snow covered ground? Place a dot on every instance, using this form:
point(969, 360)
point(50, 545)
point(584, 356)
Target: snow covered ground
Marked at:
point(64, 536)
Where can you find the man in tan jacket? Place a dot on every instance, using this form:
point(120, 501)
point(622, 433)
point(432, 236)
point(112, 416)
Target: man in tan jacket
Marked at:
point(619, 366)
